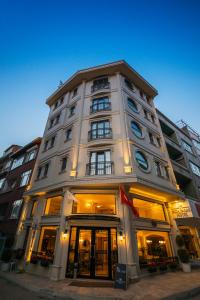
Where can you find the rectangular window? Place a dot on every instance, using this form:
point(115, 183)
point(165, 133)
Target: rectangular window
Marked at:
point(99, 104)
point(187, 146)
point(100, 163)
point(2, 181)
point(195, 169)
point(72, 111)
point(25, 178)
point(101, 83)
point(31, 155)
point(49, 143)
point(100, 129)
point(63, 164)
point(158, 169)
point(47, 241)
point(148, 209)
point(128, 84)
point(17, 162)
point(16, 209)
point(151, 138)
point(53, 206)
point(43, 171)
point(158, 141)
point(33, 208)
point(146, 114)
point(75, 92)
point(94, 204)
point(69, 134)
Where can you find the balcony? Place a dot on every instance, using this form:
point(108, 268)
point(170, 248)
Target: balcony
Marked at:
point(101, 133)
point(100, 107)
point(99, 168)
point(100, 86)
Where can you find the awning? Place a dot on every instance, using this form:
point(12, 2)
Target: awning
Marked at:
point(192, 222)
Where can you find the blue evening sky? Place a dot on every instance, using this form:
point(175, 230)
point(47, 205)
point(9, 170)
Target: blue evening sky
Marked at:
point(43, 42)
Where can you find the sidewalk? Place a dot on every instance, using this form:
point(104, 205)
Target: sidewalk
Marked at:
point(169, 286)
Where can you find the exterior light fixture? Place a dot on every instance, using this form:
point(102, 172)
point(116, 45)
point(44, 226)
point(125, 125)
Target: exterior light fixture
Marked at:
point(73, 173)
point(127, 169)
point(149, 241)
point(121, 235)
point(65, 233)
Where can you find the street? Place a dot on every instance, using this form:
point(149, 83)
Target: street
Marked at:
point(9, 291)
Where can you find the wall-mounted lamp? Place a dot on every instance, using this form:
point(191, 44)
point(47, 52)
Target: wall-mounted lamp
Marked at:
point(73, 173)
point(121, 235)
point(127, 169)
point(65, 233)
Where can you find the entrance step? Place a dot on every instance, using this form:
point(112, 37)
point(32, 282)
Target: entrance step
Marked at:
point(92, 283)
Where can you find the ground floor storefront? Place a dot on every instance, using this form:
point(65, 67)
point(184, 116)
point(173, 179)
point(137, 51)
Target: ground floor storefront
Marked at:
point(86, 235)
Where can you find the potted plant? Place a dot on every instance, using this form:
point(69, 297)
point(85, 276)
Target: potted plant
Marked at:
point(44, 262)
point(6, 257)
point(163, 267)
point(152, 267)
point(173, 266)
point(34, 259)
point(184, 258)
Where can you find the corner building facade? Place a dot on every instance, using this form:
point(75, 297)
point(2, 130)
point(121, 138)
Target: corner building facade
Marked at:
point(102, 132)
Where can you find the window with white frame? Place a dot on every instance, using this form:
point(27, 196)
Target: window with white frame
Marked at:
point(195, 169)
point(16, 209)
point(17, 162)
point(31, 155)
point(25, 178)
point(2, 181)
point(187, 146)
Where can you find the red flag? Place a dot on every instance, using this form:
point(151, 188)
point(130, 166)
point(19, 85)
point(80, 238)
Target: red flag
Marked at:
point(125, 200)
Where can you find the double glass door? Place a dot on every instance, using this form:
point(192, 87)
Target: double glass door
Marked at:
point(95, 251)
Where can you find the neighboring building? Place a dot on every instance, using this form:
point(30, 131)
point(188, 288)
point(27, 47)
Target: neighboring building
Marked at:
point(185, 159)
point(102, 132)
point(16, 166)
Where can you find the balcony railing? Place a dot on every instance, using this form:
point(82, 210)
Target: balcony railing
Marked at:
point(100, 168)
point(100, 107)
point(100, 86)
point(100, 133)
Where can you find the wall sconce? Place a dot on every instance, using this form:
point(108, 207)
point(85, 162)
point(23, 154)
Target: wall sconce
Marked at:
point(121, 235)
point(65, 233)
point(127, 169)
point(73, 173)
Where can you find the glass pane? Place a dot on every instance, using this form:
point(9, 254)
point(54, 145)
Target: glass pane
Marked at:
point(72, 246)
point(101, 253)
point(47, 241)
point(148, 209)
point(53, 206)
point(114, 251)
point(94, 204)
point(84, 252)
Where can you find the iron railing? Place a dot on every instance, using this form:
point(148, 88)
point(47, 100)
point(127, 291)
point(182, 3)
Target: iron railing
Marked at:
point(100, 133)
point(99, 168)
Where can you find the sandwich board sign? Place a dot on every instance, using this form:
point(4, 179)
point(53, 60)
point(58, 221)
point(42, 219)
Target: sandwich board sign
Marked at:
point(121, 277)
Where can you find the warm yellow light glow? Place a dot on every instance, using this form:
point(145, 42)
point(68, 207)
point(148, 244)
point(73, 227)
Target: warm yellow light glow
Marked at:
point(149, 241)
point(73, 173)
point(147, 194)
point(41, 194)
point(127, 169)
point(178, 187)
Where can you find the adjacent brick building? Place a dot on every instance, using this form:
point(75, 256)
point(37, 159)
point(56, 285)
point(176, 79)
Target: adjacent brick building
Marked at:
point(16, 166)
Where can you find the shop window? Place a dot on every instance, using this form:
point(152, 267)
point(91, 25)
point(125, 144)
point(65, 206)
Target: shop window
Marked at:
point(94, 204)
point(53, 206)
point(153, 245)
point(47, 241)
point(148, 209)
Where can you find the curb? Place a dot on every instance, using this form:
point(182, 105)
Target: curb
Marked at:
point(184, 295)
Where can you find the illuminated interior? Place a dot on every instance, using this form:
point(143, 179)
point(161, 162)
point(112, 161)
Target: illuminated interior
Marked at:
point(153, 244)
point(90, 248)
point(47, 241)
point(94, 204)
point(148, 209)
point(53, 206)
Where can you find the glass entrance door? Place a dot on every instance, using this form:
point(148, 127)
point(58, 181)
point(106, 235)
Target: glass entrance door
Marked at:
point(101, 254)
point(93, 251)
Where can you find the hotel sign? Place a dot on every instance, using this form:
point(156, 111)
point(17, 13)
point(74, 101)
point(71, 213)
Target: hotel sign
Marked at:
point(181, 209)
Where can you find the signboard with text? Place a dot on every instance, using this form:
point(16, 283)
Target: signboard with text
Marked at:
point(121, 277)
